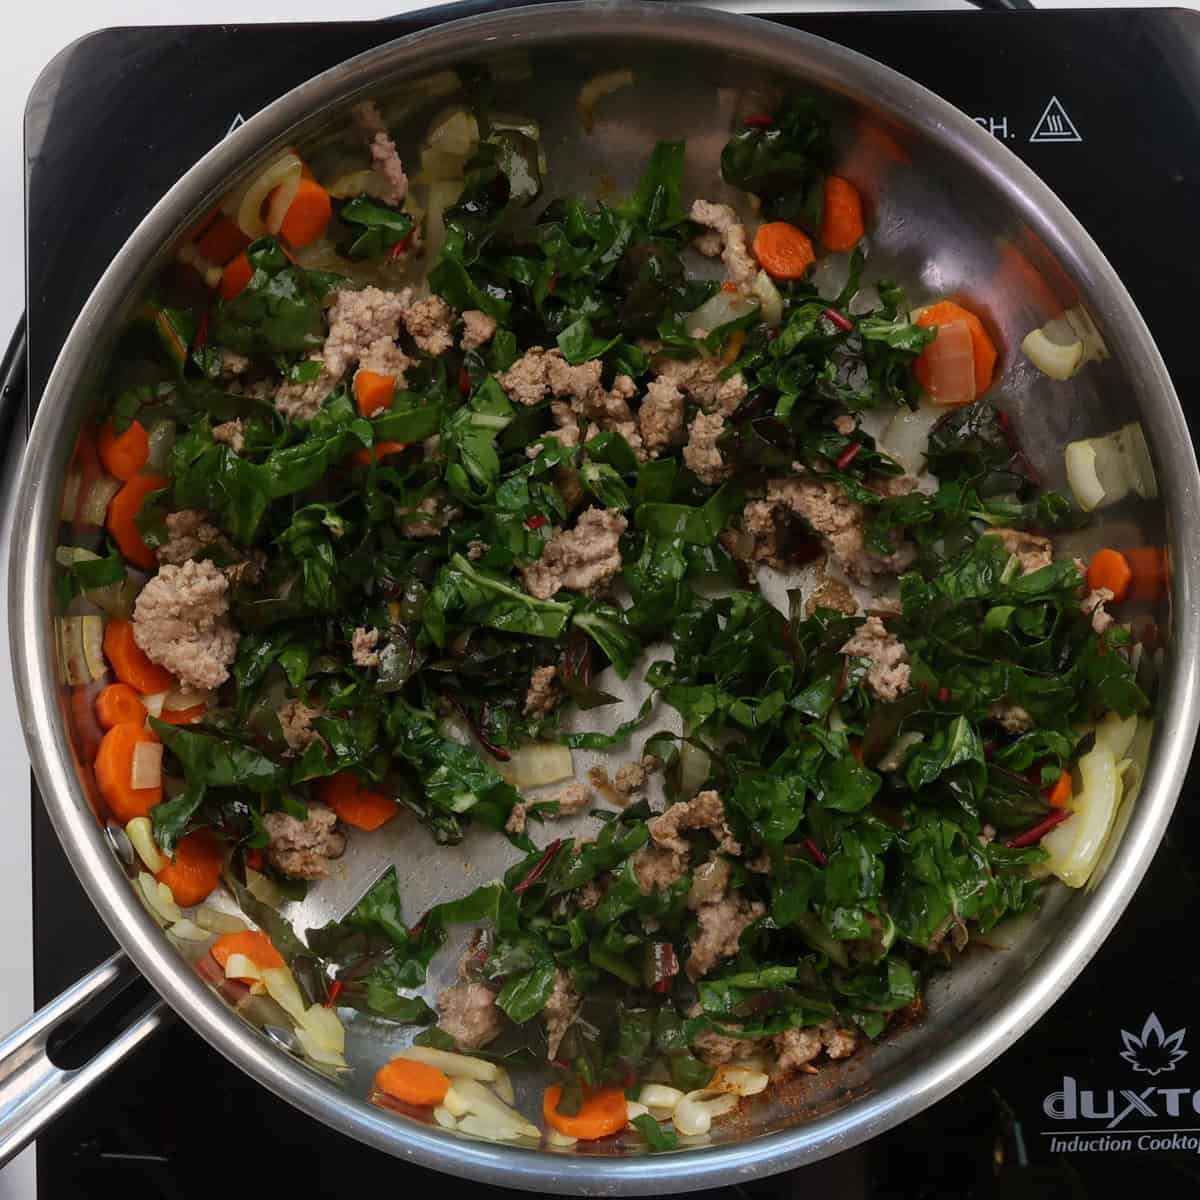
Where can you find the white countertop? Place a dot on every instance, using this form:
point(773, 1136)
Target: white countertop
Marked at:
point(33, 39)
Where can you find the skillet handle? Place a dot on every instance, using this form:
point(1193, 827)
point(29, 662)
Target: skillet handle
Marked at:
point(33, 1090)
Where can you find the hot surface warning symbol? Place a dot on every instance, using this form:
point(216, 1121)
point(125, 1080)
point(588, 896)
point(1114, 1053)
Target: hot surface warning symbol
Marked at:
point(1054, 125)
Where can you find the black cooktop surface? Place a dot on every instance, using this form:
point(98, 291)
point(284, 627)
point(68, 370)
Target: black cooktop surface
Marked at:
point(1105, 106)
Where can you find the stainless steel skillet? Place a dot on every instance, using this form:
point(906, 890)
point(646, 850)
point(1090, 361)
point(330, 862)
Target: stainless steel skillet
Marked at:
point(952, 211)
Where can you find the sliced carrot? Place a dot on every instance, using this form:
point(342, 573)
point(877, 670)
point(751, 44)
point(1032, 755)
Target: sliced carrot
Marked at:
point(114, 769)
point(783, 251)
point(251, 944)
point(202, 225)
point(364, 457)
point(122, 510)
point(602, 1113)
point(1110, 569)
point(130, 662)
point(842, 218)
point(413, 1082)
point(373, 391)
point(124, 455)
point(946, 312)
point(307, 215)
point(196, 869)
point(237, 273)
point(946, 367)
point(354, 802)
point(222, 240)
point(183, 716)
point(1060, 793)
point(1149, 567)
point(119, 704)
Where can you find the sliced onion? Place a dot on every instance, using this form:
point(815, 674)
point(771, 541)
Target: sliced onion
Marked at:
point(537, 764)
point(189, 931)
point(158, 899)
point(326, 1029)
point(659, 1097)
point(1117, 733)
point(907, 436)
point(1080, 320)
point(442, 1115)
point(739, 1081)
point(358, 183)
point(250, 205)
point(769, 297)
point(240, 966)
point(282, 987)
point(70, 498)
point(694, 1114)
point(280, 201)
point(94, 509)
point(161, 437)
point(117, 599)
point(455, 132)
point(457, 1066)
point(456, 1105)
point(486, 1104)
point(439, 167)
point(563, 1141)
point(146, 768)
point(183, 697)
point(74, 665)
point(488, 1127)
point(897, 752)
point(595, 90)
point(1052, 358)
point(154, 703)
point(91, 629)
point(262, 888)
point(140, 832)
point(1080, 461)
point(318, 1053)
point(950, 358)
point(1074, 847)
point(633, 1110)
point(503, 1086)
point(216, 921)
point(718, 310)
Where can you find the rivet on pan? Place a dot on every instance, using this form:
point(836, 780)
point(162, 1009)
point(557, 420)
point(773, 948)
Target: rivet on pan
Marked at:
point(283, 1038)
point(120, 843)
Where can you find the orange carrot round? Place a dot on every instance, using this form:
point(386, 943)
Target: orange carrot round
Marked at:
point(602, 1113)
point(354, 802)
point(1149, 567)
point(1110, 569)
point(783, 251)
point(373, 391)
point(946, 312)
point(413, 1082)
point(114, 769)
point(130, 663)
point(222, 241)
point(251, 944)
point(237, 273)
point(1060, 793)
point(183, 716)
point(122, 510)
point(307, 215)
point(842, 218)
point(196, 869)
point(119, 704)
point(123, 454)
point(364, 457)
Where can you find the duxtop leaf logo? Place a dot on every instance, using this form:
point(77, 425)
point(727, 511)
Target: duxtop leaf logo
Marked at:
point(1155, 1052)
